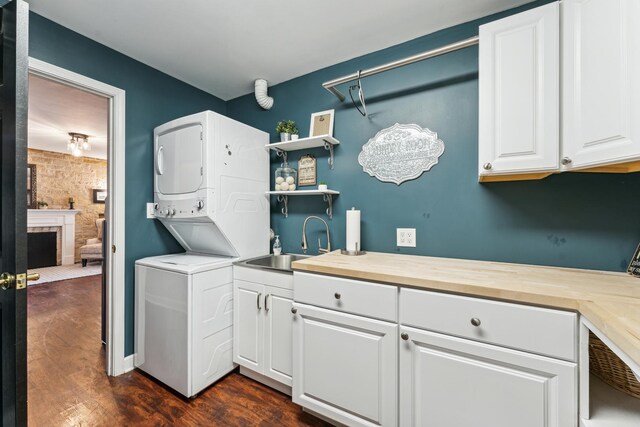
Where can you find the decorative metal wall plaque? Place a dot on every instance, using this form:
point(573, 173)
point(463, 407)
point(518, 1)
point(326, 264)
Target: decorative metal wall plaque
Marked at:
point(401, 153)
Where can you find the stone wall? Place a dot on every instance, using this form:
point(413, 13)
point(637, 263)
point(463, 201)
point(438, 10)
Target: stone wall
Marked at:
point(61, 176)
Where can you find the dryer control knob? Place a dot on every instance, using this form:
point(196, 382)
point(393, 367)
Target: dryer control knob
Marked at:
point(200, 204)
point(164, 212)
point(172, 211)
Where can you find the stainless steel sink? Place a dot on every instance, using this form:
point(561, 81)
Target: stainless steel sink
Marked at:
point(274, 262)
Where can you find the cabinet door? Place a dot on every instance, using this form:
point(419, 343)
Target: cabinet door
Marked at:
point(519, 95)
point(345, 366)
point(447, 381)
point(248, 325)
point(278, 334)
point(601, 82)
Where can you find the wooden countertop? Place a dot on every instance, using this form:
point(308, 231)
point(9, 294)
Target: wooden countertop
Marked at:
point(611, 301)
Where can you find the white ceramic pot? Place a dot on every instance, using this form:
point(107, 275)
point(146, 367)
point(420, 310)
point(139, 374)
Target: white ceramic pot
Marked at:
point(284, 136)
point(295, 136)
point(322, 187)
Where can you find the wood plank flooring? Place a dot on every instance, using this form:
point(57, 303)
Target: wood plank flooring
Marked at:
point(68, 385)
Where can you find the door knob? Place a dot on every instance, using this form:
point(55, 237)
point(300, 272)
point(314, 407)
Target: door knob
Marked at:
point(7, 280)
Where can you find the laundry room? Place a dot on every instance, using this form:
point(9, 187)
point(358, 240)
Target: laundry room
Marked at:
point(354, 214)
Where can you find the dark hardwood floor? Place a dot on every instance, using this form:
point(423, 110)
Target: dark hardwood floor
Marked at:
point(68, 385)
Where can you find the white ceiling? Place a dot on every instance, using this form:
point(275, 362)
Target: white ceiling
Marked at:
point(222, 46)
point(56, 109)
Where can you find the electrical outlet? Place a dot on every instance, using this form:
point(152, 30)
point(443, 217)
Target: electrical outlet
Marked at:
point(406, 237)
point(151, 212)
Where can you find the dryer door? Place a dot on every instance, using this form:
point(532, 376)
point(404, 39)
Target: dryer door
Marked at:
point(178, 167)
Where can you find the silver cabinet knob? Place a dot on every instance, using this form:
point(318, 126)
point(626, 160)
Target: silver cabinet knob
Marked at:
point(294, 310)
point(475, 321)
point(565, 161)
point(404, 336)
point(487, 166)
point(337, 295)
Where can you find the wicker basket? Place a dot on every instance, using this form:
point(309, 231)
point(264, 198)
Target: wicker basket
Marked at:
point(604, 364)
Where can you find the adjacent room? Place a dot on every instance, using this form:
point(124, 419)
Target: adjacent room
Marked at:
point(362, 213)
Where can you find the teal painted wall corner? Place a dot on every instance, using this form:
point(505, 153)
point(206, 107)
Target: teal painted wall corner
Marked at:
point(570, 220)
point(152, 98)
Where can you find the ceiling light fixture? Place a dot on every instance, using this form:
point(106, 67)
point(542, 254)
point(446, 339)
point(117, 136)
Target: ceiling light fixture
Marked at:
point(78, 143)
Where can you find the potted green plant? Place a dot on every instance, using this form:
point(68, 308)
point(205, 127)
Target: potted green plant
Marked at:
point(42, 204)
point(322, 186)
point(287, 128)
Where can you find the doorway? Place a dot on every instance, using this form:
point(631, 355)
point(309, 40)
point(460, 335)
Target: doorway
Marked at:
point(113, 236)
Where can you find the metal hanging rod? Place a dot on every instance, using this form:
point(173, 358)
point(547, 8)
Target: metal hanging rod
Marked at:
point(331, 84)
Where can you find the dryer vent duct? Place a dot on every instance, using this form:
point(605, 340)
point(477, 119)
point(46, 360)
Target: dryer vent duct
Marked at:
point(266, 102)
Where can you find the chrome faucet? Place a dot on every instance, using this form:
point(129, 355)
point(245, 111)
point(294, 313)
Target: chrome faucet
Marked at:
point(321, 250)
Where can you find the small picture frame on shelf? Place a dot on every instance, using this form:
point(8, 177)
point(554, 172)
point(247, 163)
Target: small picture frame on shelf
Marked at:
point(99, 195)
point(322, 123)
point(306, 170)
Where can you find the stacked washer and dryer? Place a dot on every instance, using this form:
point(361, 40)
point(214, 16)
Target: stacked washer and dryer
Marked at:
point(210, 178)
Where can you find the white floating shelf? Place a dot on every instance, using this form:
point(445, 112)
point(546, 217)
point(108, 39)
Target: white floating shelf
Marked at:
point(326, 141)
point(303, 192)
point(304, 143)
point(283, 197)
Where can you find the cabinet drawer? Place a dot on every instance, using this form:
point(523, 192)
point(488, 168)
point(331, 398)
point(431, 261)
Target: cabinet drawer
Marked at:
point(532, 329)
point(349, 296)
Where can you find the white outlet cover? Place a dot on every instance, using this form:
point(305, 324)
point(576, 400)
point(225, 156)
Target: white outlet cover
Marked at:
point(406, 237)
point(151, 213)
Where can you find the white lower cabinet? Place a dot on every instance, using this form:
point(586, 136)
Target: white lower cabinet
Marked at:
point(447, 381)
point(345, 366)
point(262, 324)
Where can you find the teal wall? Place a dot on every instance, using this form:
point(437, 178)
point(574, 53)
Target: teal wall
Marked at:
point(573, 220)
point(152, 98)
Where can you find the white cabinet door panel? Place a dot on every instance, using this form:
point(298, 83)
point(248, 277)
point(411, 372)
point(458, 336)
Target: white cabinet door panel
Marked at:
point(519, 93)
point(279, 334)
point(345, 366)
point(447, 381)
point(248, 325)
point(601, 88)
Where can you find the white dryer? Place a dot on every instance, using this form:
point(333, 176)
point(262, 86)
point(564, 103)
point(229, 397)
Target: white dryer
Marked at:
point(211, 175)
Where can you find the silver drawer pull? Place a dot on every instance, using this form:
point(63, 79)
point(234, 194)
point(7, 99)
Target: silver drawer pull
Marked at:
point(266, 305)
point(258, 301)
point(475, 321)
point(337, 295)
point(404, 336)
point(294, 310)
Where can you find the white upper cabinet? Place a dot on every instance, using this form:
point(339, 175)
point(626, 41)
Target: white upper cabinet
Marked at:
point(601, 83)
point(519, 94)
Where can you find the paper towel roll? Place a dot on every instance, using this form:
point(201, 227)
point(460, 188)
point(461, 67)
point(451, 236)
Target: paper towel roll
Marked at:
point(353, 230)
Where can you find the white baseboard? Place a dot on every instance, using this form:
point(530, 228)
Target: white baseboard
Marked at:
point(128, 363)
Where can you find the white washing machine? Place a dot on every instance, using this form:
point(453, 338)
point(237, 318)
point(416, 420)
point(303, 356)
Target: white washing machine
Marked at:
point(184, 322)
point(210, 178)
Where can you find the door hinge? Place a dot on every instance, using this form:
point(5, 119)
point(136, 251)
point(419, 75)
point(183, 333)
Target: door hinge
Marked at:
point(113, 248)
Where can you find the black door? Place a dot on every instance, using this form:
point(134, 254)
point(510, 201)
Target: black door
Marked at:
point(14, 40)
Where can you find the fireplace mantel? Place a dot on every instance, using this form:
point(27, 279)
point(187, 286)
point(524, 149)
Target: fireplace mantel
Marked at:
point(63, 218)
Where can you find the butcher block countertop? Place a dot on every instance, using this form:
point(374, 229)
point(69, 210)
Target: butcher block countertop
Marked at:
point(611, 301)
